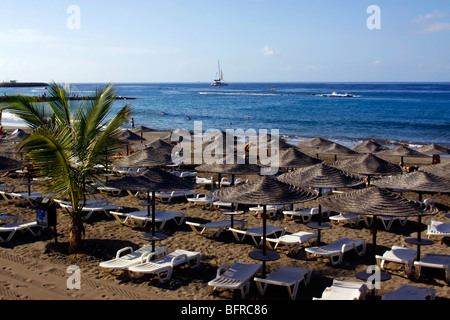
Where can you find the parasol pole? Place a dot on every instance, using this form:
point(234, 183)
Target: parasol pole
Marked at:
point(264, 216)
point(153, 220)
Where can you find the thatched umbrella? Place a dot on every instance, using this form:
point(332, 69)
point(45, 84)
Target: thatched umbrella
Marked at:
point(420, 182)
point(161, 145)
point(128, 136)
point(368, 165)
point(8, 164)
point(294, 158)
point(315, 144)
point(321, 176)
point(375, 201)
point(338, 149)
point(265, 191)
point(442, 170)
point(147, 157)
point(151, 181)
point(402, 151)
point(369, 146)
point(435, 150)
point(142, 130)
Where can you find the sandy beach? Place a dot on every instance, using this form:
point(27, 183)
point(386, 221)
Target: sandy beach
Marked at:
point(35, 268)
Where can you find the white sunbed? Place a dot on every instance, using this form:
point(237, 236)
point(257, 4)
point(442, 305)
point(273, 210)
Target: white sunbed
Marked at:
point(386, 220)
point(215, 228)
point(305, 214)
point(219, 204)
point(127, 257)
point(203, 199)
point(351, 218)
point(91, 208)
point(438, 261)
point(205, 181)
point(398, 255)
point(344, 290)
point(113, 191)
point(236, 277)
point(167, 263)
point(141, 218)
point(408, 292)
point(291, 242)
point(335, 251)
point(289, 277)
point(166, 197)
point(12, 228)
point(257, 233)
point(28, 196)
point(271, 210)
point(438, 229)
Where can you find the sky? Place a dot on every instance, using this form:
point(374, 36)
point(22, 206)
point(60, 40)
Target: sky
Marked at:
point(255, 40)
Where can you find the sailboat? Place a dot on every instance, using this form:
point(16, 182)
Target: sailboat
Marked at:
point(219, 80)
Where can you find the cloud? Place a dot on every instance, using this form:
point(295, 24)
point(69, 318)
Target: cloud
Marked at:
point(375, 63)
point(268, 52)
point(428, 23)
point(25, 35)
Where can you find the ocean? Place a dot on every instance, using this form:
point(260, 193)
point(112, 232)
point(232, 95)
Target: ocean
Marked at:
point(390, 113)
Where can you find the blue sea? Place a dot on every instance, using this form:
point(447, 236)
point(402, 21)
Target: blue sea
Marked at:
point(411, 113)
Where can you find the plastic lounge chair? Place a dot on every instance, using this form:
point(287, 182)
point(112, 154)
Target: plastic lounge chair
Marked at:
point(387, 221)
point(305, 214)
point(408, 292)
point(127, 257)
point(289, 277)
point(271, 210)
point(30, 197)
point(398, 255)
point(141, 218)
point(438, 229)
point(113, 191)
point(351, 218)
point(12, 228)
point(218, 204)
point(166, 197)
point(236, 277)
point(256, 233)
point(335, 251)
point(205, 181)
point(5, 217)
point(167, 263)
point(344, 290)
point(91, 208)
point(292, 242)
point(438, 261)
point(215, 227)
point(203, 199)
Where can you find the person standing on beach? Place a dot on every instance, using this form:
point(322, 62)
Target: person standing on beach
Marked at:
point(132, 123)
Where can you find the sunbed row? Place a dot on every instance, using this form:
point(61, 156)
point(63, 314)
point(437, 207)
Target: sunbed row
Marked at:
point(239, 275)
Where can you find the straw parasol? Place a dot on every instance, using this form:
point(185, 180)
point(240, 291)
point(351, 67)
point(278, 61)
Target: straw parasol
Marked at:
point(265, 191)
point(375, 201)
point(420, 182)
point(147, 157)
point(402, 151)
point(8, 164)
point(315, 144)
point(151, 181)
point(128, 136)
point(369, 146)
point(435, 150)
point(368, 165)
point(337, 149)
point(294, 158)
point(442, 170)
point(321, 176)
point(161, 145)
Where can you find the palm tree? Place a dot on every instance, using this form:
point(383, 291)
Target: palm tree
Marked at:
point(67, 141)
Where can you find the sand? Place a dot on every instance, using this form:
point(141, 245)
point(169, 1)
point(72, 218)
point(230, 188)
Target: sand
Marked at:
point(35, 268)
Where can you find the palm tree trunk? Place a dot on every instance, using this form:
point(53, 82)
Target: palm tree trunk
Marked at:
point(76, 232)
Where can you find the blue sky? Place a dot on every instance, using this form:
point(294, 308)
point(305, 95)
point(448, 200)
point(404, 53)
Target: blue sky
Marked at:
point(255, 40)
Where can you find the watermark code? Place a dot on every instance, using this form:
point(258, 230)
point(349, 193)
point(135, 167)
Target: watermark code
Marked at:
point(73, 22)
point(374, 280)
point(74, 280)
point(374, 21)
